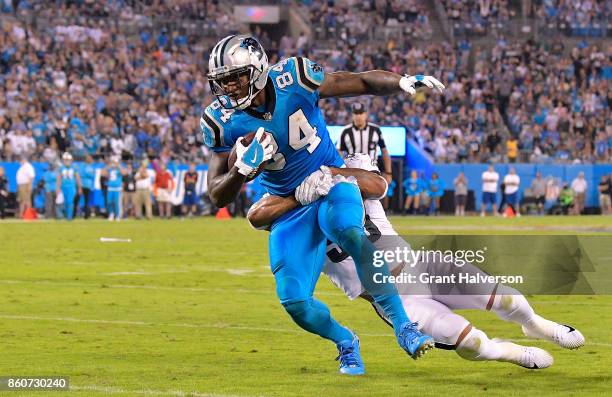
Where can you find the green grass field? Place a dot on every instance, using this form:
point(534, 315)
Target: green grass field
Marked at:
point(188, 308)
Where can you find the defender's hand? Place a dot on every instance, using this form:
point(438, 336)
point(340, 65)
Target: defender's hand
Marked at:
point(249, 158)
point(314, 186)
point(410, 83)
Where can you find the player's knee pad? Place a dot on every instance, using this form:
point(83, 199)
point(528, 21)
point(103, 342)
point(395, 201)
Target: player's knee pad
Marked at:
point(311, 317)
point(297, 309)
point(446, 328)
point(289, 289)
point(476, 346)
point(511, 305)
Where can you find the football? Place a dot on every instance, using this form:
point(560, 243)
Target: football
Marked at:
point(248, 138)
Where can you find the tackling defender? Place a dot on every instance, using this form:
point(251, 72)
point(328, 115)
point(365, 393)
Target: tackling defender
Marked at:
point(432, 309)
point(282, 100)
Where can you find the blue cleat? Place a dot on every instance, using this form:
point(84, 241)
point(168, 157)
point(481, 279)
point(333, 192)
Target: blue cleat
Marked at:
point(413, 341)
point(350, 357)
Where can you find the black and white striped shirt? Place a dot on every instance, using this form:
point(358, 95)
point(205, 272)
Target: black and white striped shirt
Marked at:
point(353, 140)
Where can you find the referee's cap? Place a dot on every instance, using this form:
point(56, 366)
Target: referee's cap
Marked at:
point(358, 108)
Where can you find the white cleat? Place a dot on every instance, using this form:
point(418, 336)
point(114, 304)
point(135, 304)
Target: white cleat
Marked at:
point(526, 356)
point(563, 335)
point(535, 358)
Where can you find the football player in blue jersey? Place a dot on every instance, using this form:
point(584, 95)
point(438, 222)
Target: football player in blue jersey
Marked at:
point(280, 102)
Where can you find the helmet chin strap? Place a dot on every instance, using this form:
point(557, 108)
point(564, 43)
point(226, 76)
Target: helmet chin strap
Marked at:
point(247, 103)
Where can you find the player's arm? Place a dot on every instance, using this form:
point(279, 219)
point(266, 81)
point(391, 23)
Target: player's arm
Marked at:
point(371, 184)
point(267, 210)
point(387, 163)
point(223, 184)
point(373, 82)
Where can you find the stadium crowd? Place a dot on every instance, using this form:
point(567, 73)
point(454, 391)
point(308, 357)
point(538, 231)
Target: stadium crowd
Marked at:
point(345, 19)
point(576, 17)
point(96, 91)
point(477, 16)
point(81, 82)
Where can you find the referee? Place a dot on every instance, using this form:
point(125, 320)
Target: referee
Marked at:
point(364, 137)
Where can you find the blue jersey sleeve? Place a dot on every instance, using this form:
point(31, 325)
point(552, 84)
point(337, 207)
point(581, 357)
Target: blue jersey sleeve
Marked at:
point(212, 124)
point(308, 74)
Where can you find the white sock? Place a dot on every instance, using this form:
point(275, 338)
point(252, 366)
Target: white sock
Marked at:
point(476, 346)
point(511, 305)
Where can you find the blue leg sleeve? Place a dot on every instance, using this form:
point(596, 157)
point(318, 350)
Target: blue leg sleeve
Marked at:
point(69, 194)
point(297, 254)
point(341, 219)
point(118, 205)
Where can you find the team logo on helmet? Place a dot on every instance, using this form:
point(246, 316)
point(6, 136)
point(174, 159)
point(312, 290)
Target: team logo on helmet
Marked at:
point(249, 42)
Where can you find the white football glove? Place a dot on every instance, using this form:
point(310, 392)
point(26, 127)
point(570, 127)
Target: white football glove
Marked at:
point(314, 186)
point(249, 158)
point(409, 83)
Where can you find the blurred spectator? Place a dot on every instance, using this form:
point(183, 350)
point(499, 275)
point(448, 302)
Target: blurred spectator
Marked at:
point(3, 192)
point(164, 185)
point(605, 195)
point(190, 199)
point(512, 149)
point(88, 176)
point(115, 185)
point(413, 186)
point(435, 190)
point(579, 187)
point(511, 190)
point(50, 181)
point(552, 192)
point(538, 189)
point(461, 191)
point(489, 190)
point(566, 198)
point(129, 190)
point(143, 192)
point(25, 178)
point(69, 182)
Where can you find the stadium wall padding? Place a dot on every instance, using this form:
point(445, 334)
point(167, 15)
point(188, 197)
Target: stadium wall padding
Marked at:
point(447, 172)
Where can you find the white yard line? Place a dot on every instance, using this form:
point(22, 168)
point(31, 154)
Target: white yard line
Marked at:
point(154, 287)
point(264, 291)
point(146, 324)
point(213, 326)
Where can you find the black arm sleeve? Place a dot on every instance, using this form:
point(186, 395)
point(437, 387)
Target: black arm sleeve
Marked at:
point(381, 141)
